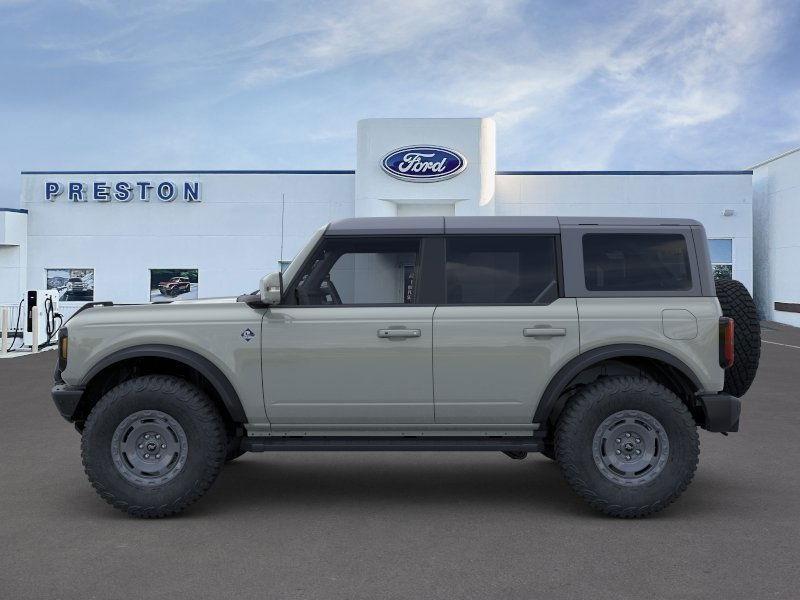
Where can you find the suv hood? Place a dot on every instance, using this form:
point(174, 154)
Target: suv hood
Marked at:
point(199, 301)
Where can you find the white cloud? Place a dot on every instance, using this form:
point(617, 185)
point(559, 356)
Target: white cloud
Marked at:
point(570, 85)
point(684, 65)
point(336, 34)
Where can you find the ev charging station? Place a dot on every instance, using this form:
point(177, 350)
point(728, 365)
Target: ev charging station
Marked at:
point(42, 318)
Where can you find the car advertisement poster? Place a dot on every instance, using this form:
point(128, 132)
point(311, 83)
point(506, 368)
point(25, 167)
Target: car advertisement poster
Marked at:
point(73, 285)
point(173, 284)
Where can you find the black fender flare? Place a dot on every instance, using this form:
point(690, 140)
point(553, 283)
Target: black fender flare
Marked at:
point(202, 365)
point(592, 357)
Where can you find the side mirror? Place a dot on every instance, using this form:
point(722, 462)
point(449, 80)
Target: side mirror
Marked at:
point(271, 288)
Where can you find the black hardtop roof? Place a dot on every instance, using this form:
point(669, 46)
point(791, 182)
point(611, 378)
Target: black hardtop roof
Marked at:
point(486, 225)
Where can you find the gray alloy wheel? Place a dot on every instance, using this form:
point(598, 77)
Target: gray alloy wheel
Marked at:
point(630, 447)
point(149, 448)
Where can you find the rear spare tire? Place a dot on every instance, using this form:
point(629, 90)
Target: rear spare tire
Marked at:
point(737, 303)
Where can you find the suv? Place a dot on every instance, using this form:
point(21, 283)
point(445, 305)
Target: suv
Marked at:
point(601, 343)
point(175, 286)
point(77, 289)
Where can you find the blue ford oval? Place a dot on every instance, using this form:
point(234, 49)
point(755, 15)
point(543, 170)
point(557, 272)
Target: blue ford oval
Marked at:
point(423, 163)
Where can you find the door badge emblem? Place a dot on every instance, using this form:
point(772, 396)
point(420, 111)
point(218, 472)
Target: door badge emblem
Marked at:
point(248, 335)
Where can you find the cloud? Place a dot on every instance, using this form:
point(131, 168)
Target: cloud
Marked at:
point(580, 85)
point(337, 34)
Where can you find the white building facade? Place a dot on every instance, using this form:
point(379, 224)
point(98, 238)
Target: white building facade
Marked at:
point(776, 200)
point(133, 237)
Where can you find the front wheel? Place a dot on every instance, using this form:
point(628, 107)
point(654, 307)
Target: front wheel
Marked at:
point(153, 445)
point(627, 445)
point(233, 448)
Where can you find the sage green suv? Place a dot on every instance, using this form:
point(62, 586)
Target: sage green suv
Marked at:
point(601, 343)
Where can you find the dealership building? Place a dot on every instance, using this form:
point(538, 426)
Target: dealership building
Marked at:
point(141, 236)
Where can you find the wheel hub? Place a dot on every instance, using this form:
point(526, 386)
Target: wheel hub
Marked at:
point(149, 448)
point(630, 447)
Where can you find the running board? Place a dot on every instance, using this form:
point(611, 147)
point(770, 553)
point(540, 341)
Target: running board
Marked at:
point(394, 444)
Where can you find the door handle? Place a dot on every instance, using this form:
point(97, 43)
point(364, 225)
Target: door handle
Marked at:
point(399, 333)
point(544, 332)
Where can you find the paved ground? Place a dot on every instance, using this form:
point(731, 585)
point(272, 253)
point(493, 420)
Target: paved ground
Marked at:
point(407, 526)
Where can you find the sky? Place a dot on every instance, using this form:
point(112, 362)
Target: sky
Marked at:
point(246, 84)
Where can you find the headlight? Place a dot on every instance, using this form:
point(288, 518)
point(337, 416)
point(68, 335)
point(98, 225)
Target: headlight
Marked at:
point(63, 348)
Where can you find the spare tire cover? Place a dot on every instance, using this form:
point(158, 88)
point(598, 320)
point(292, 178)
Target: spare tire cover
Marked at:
point(737, 303)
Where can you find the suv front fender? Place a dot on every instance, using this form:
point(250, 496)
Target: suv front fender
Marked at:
point(191, 359)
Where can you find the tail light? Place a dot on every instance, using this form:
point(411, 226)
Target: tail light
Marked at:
point(726, 342)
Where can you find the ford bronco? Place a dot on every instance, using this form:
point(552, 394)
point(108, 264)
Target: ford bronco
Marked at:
point(175, 286)
point(601, 343)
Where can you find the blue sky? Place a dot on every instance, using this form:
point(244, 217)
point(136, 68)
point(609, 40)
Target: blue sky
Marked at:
point(186, 84)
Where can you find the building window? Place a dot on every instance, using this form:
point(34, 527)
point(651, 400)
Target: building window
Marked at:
point(722, 257)
point(73, 285)
point(171, 284)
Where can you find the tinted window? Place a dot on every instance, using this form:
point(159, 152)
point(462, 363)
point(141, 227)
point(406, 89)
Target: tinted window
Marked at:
point(361, 271)
point(501, 270)
point(634, 262)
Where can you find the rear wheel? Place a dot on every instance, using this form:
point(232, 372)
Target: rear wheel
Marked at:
point(736, 303)
point(153, 445)
point(627, 445)
point(549, 450)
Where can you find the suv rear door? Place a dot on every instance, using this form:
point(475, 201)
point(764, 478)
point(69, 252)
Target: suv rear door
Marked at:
point(352, 343)
point(503, 330)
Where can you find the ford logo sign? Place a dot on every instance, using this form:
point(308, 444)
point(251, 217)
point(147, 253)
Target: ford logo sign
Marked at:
point(423, 163)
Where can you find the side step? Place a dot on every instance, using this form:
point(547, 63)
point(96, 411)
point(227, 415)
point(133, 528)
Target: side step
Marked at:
point(394, 444)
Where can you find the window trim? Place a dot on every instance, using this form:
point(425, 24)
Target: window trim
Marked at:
point(288, 300)
point(556, 238)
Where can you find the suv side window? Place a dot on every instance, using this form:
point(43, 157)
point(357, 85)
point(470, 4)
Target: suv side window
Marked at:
point(360, 271)
point(636, 262)
point(501, 269)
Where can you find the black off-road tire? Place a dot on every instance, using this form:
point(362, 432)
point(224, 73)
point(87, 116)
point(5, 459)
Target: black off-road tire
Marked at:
point(586, 413)
point(233, 448)
point(737, 304)
point(549, 449)
point(202, 434)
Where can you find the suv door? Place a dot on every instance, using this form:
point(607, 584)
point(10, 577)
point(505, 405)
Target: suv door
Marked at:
point(503, 332)
point(351, 344)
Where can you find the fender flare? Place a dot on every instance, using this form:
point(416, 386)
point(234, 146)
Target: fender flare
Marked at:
point(588, 359)
point(202, 365)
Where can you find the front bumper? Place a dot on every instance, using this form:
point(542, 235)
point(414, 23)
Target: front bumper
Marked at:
point(720, 412)
point(67, 398)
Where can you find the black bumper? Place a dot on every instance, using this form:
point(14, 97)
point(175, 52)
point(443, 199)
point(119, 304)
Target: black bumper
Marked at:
point(67, 398)
point(720, 412)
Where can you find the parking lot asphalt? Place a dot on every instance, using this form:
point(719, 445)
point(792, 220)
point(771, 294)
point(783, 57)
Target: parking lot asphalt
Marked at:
point(404, 525)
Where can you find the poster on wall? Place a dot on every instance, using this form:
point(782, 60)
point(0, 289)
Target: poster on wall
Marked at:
point(173, 284)
point(723, 272)
point(73, 285)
